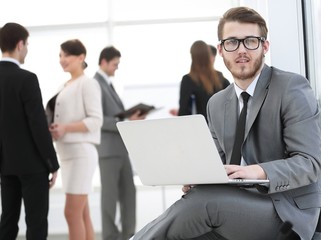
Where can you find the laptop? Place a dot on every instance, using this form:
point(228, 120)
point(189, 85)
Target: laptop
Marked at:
point(175, 151)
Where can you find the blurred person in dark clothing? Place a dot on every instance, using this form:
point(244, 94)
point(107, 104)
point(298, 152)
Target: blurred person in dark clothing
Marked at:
point(28, 162)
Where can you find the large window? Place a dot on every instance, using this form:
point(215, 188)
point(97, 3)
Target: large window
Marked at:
point(154, 38)
point(49, 13)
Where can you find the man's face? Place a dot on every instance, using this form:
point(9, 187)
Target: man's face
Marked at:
point(244, 64)
point(23, 50)
point(110, 67)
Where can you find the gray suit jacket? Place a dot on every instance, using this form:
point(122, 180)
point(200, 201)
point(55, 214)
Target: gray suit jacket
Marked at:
point(111, 141)
point(283, 136)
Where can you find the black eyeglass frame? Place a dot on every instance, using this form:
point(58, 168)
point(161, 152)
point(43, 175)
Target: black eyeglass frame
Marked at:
point(239, 41)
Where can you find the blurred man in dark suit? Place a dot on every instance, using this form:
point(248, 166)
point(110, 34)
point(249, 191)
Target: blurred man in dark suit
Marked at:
point(28, 162)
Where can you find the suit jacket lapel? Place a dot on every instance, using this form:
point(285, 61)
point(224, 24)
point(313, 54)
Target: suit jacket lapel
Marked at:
point(230, 121)
point(110, 90)
point(115, 96)
point(260, 94)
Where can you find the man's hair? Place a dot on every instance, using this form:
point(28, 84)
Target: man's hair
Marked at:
point(10, 35)
point(242, 15)
point(108, 53)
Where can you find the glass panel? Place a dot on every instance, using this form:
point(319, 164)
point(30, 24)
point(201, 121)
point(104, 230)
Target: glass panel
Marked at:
point(163, 9)
point(154, 59)
point(39, 12)
point(159, 53)
point(313, 39)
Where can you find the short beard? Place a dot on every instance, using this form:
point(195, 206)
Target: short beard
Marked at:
point(243, 75)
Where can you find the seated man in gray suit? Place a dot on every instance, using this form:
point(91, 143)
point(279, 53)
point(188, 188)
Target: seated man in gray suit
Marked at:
point(281, 142)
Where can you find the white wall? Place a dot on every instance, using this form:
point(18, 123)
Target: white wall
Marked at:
point(285, 32)
point(286, 35)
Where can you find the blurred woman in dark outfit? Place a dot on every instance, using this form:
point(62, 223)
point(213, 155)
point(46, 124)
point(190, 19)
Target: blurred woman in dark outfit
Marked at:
point(201, 82)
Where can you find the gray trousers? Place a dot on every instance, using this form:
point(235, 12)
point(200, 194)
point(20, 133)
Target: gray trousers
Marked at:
point(117, 186)
point(228, 211)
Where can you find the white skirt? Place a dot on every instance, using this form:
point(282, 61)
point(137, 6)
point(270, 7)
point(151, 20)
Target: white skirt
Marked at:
point(78, 162)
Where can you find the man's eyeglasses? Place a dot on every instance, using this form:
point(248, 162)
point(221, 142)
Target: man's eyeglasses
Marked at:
point(250, 43)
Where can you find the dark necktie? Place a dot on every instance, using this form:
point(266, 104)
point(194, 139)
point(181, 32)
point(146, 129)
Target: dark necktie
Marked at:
point(240, 130)
point(115, 96)
point(112, 87)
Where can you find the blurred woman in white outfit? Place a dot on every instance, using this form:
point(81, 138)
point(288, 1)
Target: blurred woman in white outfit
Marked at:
point(77, 120)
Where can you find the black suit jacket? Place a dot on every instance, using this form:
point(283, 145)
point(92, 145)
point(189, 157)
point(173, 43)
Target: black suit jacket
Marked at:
point(25, 142)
